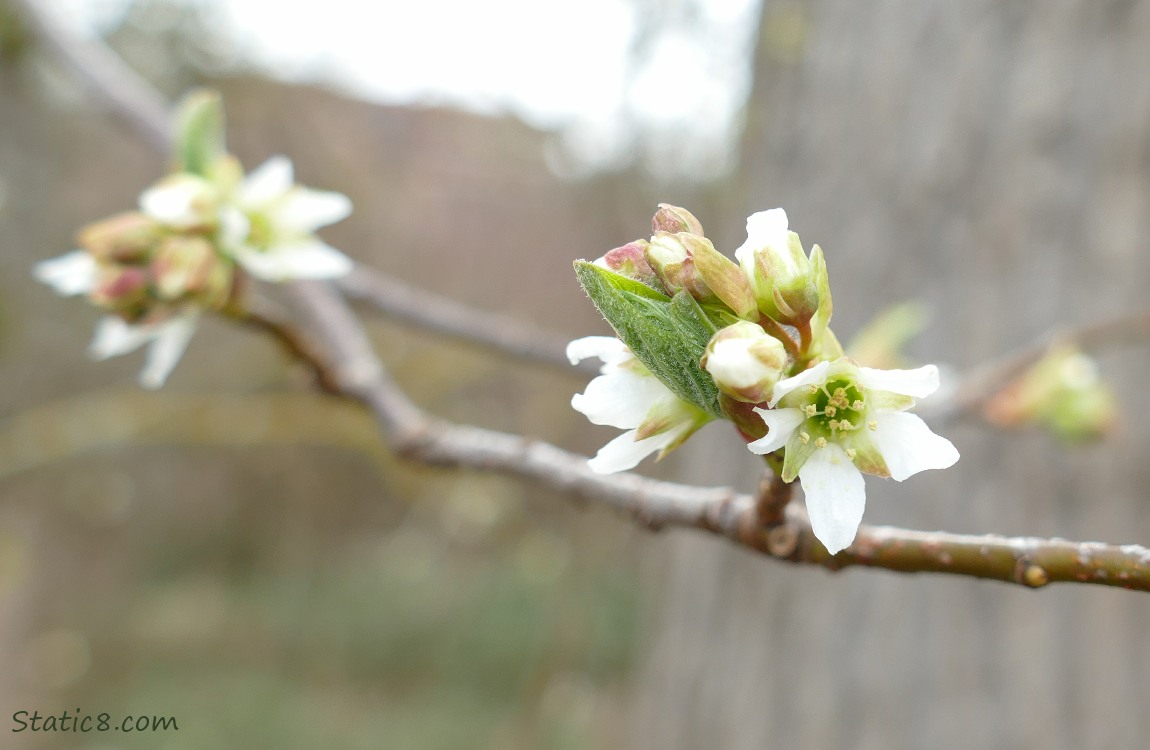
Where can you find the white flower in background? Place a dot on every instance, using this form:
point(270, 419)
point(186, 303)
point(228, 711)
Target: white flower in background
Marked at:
point(626, 395)
point(273, 232)
point(266, 222)
point(78, 273)
point(838, 420)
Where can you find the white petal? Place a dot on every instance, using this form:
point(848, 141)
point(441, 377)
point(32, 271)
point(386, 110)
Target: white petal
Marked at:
point(173, 201)
point(305, 211)
point(764, 229)
point(917, 383)
point(620, 399)
point(816, 375)
point(170, 339)
point(234, 228)
point(835, 495)
point(607, 348)
point(72, 273)
point(781, 423)
point(303, 260)
point(908, 446)
point(115, 337)
point(624, 452)
point(267, 182)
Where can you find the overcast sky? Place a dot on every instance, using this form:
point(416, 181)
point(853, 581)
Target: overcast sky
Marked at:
point(558, 65)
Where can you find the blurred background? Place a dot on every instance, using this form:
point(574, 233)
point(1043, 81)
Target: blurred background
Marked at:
point(243, 555)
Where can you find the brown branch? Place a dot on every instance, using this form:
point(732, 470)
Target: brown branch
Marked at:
point(261, 315)
point(450, 318)
point(351, 368)
point(771, 501)
point(126, 95)
point(415, 435)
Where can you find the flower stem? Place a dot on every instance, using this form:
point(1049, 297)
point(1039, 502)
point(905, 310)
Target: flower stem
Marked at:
point(773, 495)
point(777, 331)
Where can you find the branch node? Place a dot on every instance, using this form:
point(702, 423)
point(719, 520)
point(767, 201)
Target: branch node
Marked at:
point(782, 541)
point(1030, 575)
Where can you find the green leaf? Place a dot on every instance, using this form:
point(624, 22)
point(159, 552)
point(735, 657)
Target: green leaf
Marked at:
point(668, 335)
point(199, 132)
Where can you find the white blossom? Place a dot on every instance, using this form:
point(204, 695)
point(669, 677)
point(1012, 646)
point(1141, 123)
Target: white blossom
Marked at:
point(627, 396)
point(76, 273)
point(838, 420)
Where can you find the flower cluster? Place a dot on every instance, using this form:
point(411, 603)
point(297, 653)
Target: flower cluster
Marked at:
point(196, 236)
point(748, 342)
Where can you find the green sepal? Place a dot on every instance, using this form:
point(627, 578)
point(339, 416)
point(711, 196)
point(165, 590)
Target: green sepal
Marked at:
point(797, 452)
point(199, 132)
point(822, 317)
point(668, 335)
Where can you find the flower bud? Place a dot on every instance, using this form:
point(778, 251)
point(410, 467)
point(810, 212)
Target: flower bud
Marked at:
point(723, 276)
point(1063, 393)
point(674, 220)
point(630, 260)
point(120, 288)
point(669, 255)
point(745, 362)
point(124, 238)
point(780, 273)
point(186, 265)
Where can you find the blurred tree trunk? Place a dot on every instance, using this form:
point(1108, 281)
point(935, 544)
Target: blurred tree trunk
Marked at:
point(992, 159)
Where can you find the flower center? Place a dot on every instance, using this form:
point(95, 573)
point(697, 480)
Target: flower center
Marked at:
point(834, 407)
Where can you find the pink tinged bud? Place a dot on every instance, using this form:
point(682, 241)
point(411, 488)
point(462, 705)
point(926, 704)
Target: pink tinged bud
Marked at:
point(673, 219)
point(630, 260)
point(670, 257)
point(120, 288)
point(124, 238)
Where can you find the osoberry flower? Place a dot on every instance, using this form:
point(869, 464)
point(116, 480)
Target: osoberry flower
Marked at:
point(838, 420)
point(155, 270)
point(166, 335)
point(626, 395)
point(265, 222)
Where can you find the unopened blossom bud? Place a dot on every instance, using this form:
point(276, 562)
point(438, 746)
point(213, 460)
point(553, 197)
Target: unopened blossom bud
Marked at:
point(124, 238)
point(781, 275)
point(121, 289)
point(1062, 392)
point(670, 256)
point(674, 220)
point(724, 277)
point(188, 265)
point(630, 260)
point(745, 362)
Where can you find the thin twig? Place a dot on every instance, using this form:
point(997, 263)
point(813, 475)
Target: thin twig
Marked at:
point(126, 95)
point(981, 383)
point(354, 370)
point(448, 317)
point(261, 315)
point(415, 435)
point(773, 496)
